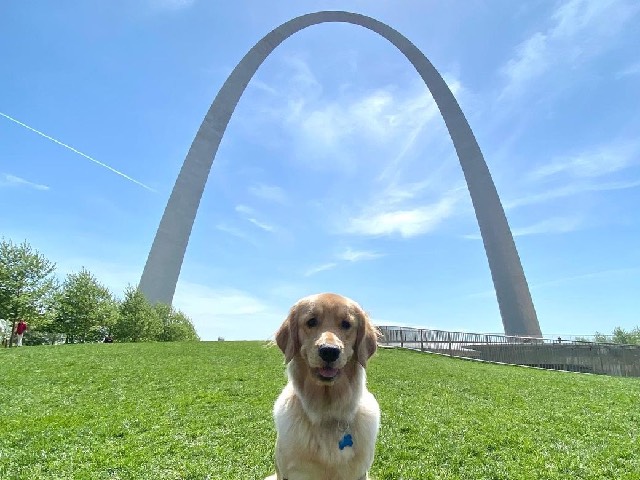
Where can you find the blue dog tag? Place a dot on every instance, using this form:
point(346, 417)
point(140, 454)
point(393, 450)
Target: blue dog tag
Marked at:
point(347, 441)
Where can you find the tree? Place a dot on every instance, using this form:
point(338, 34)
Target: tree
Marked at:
point(44, 333)
point(631, 337)
point(85, 309)
point(138, 321)
point(176, 326)
point(27, 284)
point(621, 336)
point(186, 327)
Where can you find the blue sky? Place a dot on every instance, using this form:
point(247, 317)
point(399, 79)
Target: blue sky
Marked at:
point(336, 172)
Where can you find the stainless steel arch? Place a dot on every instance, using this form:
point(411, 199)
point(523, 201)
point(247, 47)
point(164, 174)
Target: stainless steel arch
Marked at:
point(163, 265)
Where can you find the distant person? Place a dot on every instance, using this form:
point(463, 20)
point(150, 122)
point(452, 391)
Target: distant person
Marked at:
point(108, 339)
point(20, 329)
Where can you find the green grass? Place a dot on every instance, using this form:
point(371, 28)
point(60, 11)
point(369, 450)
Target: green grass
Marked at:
point(203, 411)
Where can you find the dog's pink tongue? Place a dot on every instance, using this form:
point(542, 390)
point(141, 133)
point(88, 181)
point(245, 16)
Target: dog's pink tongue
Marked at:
point(327, 372)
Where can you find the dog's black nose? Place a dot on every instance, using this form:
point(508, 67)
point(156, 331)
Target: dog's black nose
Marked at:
point(329, 353)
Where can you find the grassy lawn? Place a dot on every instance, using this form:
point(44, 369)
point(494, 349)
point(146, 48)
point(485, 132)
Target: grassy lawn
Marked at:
point(203, 411)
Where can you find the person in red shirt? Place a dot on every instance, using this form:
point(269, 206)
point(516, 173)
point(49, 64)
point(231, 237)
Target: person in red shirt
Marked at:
point(20, 329)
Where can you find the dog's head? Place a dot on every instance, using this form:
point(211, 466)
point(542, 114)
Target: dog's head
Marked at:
point(327, 331)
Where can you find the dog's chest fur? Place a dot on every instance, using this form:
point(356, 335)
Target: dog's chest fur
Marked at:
point(309, 448)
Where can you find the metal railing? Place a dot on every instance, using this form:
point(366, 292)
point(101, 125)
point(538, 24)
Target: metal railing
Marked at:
point(559, 353)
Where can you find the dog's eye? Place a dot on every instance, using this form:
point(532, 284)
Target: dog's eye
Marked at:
point(346, 325)
point(312, 322)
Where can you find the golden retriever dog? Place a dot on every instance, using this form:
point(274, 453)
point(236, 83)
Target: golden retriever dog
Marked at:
point(326, 419)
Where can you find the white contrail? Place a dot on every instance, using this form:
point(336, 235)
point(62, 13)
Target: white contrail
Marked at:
point(77, 151)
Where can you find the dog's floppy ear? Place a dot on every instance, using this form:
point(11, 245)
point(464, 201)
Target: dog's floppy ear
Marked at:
point(367, 339)
point(287, 336)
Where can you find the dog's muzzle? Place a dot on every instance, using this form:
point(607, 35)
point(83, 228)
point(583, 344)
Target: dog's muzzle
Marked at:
point(329, 354)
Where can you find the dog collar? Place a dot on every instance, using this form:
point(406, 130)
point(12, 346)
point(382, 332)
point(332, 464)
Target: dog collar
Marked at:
point(346, 441)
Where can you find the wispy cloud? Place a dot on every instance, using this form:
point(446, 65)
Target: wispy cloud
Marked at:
point(217, 311)
point(260, 85)
point(374, 136)
point(574, 188)
point(531, 60)
point(595, 162)
point(602, 274)
point(379, 221)
point(596, 169)
point(629, 71)
point(578, 30)
point(549, 226)
point(570, 280)
point(271, 193)
point(104, 165)
point(347, 255)
point(250, 214)
point(236, 232)
point(8, 180)
point(264, 226)
point(351, 255)
point(244, 209)
point(421, 111)
point(382, 118)
point(226, 301)
point(320, 268)
point(554, 225)
point(352, 128)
